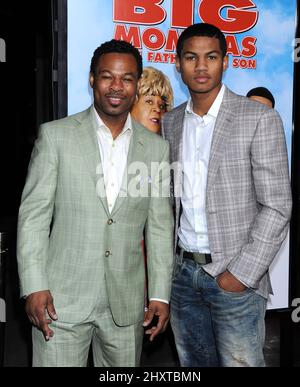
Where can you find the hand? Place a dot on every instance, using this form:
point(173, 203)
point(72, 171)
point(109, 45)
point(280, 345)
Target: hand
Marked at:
point(230, 283)
point(37, 304)
point(161, 310)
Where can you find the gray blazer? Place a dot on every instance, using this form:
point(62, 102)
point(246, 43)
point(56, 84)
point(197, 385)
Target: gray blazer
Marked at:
point(248, 196)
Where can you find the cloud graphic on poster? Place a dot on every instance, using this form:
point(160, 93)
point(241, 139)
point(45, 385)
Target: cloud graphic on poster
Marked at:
point(275, 40)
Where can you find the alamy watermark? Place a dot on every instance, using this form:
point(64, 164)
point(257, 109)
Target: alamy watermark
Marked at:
point(296, 52)
point(154, 180)
point(2, 50)
point(2, 311)
point(296, 311)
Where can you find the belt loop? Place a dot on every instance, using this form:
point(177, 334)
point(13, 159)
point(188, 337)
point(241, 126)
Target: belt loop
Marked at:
point(179, 253)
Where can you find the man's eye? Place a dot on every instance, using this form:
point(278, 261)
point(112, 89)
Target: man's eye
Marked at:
point(212, 57)
point(190, 58)
point(128, 79)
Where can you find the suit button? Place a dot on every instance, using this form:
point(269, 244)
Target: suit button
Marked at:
point(107, 254)
point(110, 222)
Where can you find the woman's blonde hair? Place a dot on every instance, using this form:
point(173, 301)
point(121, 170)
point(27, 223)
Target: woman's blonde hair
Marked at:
point(155, 82)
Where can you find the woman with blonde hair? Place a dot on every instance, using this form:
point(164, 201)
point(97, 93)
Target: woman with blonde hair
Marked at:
point(154, 98)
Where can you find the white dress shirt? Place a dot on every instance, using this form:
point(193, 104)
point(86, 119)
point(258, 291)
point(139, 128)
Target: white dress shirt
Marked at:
point(197, 138)
point(113, 154)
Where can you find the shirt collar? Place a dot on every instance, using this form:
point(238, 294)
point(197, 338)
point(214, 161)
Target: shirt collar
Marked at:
point(215, 107)
point(103, 128)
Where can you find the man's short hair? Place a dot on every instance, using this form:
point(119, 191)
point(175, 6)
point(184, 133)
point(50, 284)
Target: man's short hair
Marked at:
point(116, 46)
point(155, 82)
point(202, 29)
point(262, 92)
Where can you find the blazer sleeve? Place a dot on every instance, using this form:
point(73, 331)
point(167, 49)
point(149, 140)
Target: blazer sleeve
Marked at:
point(159, 231)
point(35, 215)
point(270, 176)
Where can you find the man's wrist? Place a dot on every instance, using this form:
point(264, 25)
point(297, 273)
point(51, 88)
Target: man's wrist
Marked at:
point(160, 300)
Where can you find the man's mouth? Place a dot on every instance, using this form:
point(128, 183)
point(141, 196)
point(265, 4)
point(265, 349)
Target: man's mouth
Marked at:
point(114, 100)
point(201, 79)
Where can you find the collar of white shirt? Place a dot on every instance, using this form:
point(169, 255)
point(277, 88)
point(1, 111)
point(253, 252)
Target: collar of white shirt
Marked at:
point(102, 127)
point(214, 109)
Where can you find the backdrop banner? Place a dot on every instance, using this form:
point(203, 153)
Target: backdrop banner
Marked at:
point(260, 36)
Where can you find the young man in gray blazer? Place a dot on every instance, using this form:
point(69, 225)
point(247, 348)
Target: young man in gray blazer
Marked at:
point(84, 209)
point(233, 204)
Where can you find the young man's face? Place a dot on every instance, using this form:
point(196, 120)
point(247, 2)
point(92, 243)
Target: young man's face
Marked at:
point(114, 84)
point(202, 65)
point(148, 110)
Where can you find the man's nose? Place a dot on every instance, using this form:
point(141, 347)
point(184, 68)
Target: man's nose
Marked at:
point(201, 64)
point(116, 84)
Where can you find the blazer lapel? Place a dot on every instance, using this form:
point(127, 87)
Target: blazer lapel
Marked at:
point(136, 153)
point(88, 144)
point(177, 145)
point(221, 134)
point(176, 128)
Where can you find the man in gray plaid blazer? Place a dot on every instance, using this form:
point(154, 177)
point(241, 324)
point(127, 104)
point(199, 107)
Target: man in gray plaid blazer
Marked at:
point(233, 204)
point(81, 221)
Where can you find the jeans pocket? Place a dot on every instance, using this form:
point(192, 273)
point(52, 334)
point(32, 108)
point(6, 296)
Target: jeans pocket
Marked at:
point(233, 294)
point(177, 268)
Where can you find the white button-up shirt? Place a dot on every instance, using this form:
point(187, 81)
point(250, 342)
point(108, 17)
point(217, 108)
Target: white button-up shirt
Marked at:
point(113, 155)
point(197, 138)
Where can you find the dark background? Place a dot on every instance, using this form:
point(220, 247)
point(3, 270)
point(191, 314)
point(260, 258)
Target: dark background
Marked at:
point(26, 100)
point(30, 88)
point(25, 93)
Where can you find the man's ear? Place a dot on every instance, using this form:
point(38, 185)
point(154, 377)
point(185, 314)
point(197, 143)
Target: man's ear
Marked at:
point(177, 63)
point(225, 62)
point(92, 80)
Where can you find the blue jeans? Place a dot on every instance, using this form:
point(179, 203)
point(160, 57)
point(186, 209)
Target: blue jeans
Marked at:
point(213, 327)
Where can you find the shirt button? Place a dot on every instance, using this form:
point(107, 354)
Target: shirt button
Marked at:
point(107, 254)
point(110, 222)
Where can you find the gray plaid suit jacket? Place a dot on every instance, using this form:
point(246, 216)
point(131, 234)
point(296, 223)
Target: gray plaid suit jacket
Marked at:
point(65, 230)
point(248, 197)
